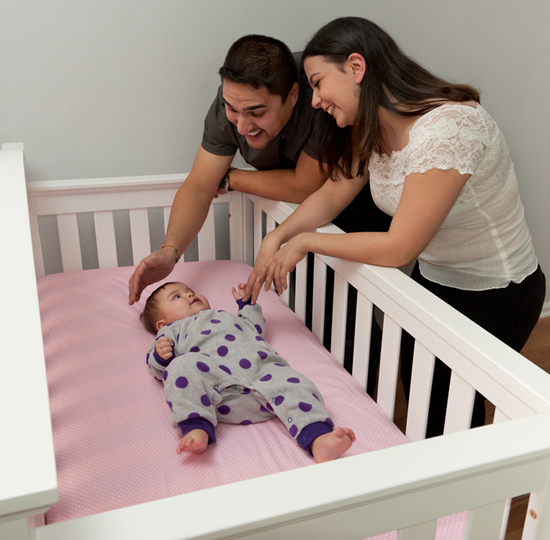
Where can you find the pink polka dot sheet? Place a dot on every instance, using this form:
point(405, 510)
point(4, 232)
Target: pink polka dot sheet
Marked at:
point(114, 443)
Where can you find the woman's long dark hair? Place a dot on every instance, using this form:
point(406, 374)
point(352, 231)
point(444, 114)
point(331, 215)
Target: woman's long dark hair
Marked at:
point(389, 74)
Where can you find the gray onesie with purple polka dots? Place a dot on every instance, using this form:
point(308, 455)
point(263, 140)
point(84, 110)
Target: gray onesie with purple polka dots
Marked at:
point(223, 370)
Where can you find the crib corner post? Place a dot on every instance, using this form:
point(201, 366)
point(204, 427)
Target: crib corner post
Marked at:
point(17, 530)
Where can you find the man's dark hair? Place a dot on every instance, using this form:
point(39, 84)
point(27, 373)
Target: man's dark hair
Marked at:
point(259, 61)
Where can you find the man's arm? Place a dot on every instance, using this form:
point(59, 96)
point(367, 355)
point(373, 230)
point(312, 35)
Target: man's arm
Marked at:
point(189, 210)
point(290, 185)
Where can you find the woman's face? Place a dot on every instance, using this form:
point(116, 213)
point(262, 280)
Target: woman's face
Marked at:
point(334, 88)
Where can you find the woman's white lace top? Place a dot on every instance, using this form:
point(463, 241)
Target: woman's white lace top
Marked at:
point(484, 242)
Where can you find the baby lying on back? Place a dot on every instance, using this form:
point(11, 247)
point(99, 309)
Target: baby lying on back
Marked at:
point(217, 367)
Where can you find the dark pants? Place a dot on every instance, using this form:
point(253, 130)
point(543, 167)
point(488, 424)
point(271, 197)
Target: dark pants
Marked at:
point(510, 314)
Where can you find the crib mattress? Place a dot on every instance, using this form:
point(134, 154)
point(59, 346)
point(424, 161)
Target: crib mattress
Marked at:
point(114, 443)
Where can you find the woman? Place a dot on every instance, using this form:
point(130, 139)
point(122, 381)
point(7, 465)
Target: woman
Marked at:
point(438, 163)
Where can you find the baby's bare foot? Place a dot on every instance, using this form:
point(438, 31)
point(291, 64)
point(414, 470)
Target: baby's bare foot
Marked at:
point(196, 442)
point(332, 445)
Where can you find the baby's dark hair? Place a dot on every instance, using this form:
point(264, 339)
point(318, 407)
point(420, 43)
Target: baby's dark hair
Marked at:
point(150, 314)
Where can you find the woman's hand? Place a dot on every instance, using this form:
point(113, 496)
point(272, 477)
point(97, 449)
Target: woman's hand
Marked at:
point(285, 261)
point(270, 246)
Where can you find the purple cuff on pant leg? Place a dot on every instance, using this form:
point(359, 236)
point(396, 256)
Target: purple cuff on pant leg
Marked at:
point(198, 423)
point(310, 433)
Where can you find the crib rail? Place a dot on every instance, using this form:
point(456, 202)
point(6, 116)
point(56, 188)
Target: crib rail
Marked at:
point(69, 200)
point(403, 488)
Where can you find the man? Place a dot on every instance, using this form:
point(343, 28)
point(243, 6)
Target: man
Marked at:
point(263, 109)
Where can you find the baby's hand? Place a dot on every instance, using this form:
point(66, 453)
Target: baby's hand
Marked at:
point(238, 295)
point(164, 347)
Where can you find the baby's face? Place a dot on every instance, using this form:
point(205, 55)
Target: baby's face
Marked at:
point(177, 301)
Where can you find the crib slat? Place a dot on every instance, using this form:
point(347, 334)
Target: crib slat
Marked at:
point(139, 226)
point(319, 292)
point(248, 231)
point(258, 233)
point(361, 346)
point(485, 522)
point(460, 405)
point(36, 243)
point(300, 290)
point(105, 237)
point(500, 416)
point(167, 210)
point(236, 240)
point(69, 242)
point(389, 366)
point(421, 385)
point(269, 224)
point(207, 248)
point(424, 531)
point(339, 315)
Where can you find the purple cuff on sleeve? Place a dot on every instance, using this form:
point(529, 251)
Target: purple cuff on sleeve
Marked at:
point(198, 423)
point(241, 303)
point(310, 433)
point(161, 361)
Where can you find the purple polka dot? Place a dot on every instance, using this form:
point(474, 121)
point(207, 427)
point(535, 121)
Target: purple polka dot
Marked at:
point(147, 358)
point(266, 378)
point(203, 367)
point(230, 337)
point(164, 375)
point(182, 382)
point(246, 422)
point(329, 422)
point(306, 407)
point(205, 400)
point(293, 380)
point(315, 397)
point(215, 321)
point(169, 324)
point(281, 365)
point(259, 338)
point(194, 349)
point(263, 409)
point(245, 392)
point(226, 369)
point(262, 355)
point(169, 404)
point(245, 364)
point(278, 400)
point(224, 409)
point(194, 415)
point(293, 431)
point(269, 407)
point(206, 332)
point(223, 350)
point(178, 337)
point(238, 327)
point(258, 328)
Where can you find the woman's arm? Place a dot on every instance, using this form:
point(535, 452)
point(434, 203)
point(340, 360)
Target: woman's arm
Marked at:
point(318, 209)
point(426, 200)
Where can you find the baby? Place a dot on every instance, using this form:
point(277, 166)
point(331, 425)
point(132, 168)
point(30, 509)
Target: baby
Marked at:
point(216, 366)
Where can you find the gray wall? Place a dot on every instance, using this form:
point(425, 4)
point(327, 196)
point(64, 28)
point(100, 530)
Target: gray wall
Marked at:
point(119, 87)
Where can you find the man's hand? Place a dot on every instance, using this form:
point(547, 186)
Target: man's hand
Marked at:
point(164, 347)
point(153, 268)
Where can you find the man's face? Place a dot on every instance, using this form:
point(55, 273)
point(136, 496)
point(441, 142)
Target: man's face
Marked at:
point(258, 115)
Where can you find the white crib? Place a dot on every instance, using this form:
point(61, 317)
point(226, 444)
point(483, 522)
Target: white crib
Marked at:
point(405, 488)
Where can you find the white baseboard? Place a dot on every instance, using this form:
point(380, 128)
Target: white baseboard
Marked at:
point(545, 310)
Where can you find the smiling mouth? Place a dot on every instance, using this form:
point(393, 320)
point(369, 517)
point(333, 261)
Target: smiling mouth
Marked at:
point(330, 109)
point(253, 134)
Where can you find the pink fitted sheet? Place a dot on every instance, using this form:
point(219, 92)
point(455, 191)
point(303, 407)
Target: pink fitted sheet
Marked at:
point(114, 443)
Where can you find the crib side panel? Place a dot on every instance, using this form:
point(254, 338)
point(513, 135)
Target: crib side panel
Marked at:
point(28, 482)
point(125, 224)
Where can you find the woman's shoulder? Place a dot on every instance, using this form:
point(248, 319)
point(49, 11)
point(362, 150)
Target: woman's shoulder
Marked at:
point(453, 119)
